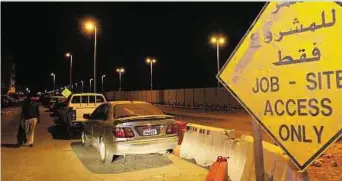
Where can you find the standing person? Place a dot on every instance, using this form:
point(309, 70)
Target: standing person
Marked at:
point(30, 115)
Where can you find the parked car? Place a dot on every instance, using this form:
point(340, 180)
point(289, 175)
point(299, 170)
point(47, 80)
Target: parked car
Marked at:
point(71, 113)
point(129, 127)
point(45, 100)
point(54, 100)
point(4, 102)
point(11, 100)
point(35, 98)
point(15, 96)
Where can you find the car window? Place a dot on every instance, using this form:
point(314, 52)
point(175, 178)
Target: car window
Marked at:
point(127, 110)
point(91, 99)
point(76, 99)
point(84, 99)
point(100, 112)
point(99, 99)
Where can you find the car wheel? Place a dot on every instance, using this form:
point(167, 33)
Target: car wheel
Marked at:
point(105, 157)
point(69, 131)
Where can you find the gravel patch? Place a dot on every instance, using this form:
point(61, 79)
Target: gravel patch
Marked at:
point(90, 158)
point(330, 168)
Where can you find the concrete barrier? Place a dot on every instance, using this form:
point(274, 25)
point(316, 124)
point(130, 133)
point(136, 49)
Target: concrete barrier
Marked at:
point(172, 96)
point(205, 144)
point(277, 165)
point(141, 96)
point(211, 97)
point(109, 95)
point(189, 98)
point(198, 98)
point(180, 97)
point(149, 96)
point(134, 95)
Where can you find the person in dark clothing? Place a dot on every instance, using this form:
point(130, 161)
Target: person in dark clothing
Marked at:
point(30, 117)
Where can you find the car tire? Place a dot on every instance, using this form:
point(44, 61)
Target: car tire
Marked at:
point(105, 157)
point(69, 131)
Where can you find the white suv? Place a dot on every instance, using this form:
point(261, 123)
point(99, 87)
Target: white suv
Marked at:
point(76, 106)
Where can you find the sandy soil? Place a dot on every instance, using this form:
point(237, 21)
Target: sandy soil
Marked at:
point(54, 158)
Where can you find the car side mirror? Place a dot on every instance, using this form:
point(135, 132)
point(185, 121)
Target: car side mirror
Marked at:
point(86, 116)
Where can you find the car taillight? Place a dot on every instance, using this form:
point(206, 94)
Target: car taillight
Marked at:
point(171, 129)
point(123, 132)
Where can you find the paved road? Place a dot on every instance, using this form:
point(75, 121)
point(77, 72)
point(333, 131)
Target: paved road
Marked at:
point(55, 158)
point(241, 122)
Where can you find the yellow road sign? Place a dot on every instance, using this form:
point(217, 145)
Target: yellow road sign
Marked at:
point(287, 73)
point(66, 92)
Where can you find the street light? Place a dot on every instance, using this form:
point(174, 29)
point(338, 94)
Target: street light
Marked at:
point(90, 84)
point(76, 86)
point(54, 80)
point(120, 71)
point(103, 76)
point(151, 62)
point(90, 26)
point(82, 86)
point(70, 76)
point(218, 40)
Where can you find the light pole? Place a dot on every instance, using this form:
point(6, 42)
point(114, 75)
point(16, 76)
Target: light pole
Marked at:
point(103, 76)
point(151, 62)
point(54, 80)
point(76, 86)
point(120, 71)
point(92, 27)
point(82, 86)
point(218, 40)
point(90, 84)
point(70, 76)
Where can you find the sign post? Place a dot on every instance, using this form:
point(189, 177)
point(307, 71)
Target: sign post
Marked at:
point(258, 153)
point(287, 73)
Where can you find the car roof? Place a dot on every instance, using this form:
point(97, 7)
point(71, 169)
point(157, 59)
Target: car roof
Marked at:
point(87, 94)
point(127, 102)
point(57, 97)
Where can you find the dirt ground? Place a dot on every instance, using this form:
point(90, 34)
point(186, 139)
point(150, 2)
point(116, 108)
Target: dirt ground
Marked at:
point(55, 158)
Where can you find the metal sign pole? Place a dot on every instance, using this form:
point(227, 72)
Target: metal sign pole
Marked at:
point(258, 152)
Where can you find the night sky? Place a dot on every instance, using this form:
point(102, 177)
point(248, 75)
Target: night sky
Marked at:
point(37, 35)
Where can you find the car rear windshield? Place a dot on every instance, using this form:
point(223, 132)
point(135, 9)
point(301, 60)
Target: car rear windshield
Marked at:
point(128, 110)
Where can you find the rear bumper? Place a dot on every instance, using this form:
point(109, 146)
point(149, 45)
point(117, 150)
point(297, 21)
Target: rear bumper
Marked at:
point(143, 146)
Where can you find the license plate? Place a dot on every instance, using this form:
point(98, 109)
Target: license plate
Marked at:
point(149, 132)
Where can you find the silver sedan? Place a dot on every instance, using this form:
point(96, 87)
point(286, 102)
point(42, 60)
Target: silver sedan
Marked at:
point(129, 127)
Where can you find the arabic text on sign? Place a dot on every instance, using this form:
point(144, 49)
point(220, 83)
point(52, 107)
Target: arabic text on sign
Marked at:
point(286, 60)
point(300, 29)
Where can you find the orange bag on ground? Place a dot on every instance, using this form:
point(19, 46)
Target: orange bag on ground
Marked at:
point(218, 170)
point(181, 131)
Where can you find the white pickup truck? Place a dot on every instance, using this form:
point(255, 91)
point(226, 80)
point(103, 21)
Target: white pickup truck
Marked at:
point(71, 114)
